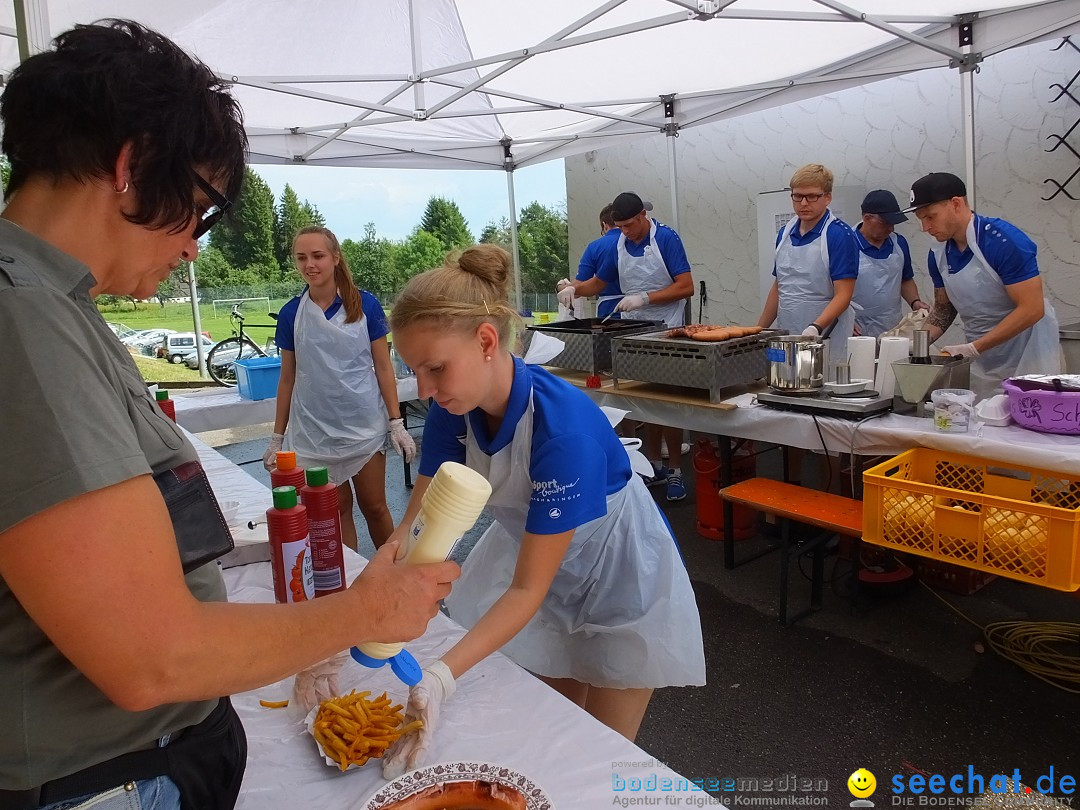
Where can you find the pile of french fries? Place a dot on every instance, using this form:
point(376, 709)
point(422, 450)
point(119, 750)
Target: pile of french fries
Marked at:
point(352, 729)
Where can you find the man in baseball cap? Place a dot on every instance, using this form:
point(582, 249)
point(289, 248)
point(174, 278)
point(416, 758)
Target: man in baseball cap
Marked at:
point(886, 277)
point(650, 265)
point(984, 270)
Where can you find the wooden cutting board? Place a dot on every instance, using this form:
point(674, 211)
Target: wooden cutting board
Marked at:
point(643, 390)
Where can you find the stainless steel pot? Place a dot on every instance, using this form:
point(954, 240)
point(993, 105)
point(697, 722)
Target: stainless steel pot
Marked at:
point(796, 363)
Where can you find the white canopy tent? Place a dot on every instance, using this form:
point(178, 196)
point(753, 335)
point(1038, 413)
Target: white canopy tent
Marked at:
point(499, 84)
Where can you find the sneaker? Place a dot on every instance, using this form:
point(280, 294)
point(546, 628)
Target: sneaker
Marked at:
point(676, 491)
point(658, 478)
point(663, 449)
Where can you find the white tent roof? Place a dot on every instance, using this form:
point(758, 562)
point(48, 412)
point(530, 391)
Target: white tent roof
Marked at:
point(445, 84)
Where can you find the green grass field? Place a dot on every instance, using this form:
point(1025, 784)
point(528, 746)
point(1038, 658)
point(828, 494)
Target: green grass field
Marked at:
point(178, 317)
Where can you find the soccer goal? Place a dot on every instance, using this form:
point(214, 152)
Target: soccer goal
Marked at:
point(223, 306)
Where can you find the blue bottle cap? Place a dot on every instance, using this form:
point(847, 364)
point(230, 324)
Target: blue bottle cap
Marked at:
point(366, 660)
point(405, 667)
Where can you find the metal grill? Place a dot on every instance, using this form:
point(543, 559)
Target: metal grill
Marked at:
point(588, 348)
point(654, 357)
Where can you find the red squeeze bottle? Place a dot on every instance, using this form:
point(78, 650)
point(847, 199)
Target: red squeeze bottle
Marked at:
point(285, 472)
point(290, 548)
point(168, 407)
point(324, 523)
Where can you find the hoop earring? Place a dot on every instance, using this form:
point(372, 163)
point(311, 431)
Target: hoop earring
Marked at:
point(122, 190)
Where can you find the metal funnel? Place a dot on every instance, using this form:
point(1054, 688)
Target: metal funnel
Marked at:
point(917, 380)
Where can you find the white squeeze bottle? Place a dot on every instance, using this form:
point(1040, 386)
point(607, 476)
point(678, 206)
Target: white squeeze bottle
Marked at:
point(450, 506)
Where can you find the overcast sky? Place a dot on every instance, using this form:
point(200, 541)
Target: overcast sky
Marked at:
point(394, 199)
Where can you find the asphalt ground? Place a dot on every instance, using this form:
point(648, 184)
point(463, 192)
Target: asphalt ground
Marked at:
point(903, 686)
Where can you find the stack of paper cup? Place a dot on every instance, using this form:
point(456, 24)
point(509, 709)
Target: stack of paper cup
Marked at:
point(892, 348)
point(862, 350)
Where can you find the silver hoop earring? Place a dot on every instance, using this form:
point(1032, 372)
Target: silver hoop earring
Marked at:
point(122, 190)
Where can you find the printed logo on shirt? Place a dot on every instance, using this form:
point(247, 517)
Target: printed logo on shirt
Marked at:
point(548, 490)
point(555, 513)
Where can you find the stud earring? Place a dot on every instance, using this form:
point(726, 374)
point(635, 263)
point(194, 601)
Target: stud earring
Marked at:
point(487, 358)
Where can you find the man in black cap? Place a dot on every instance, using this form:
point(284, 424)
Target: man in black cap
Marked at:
point(885, 273)
point(650, 265)
point(984, 269)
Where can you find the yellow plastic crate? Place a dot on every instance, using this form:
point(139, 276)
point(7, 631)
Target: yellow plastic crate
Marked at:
point(1006, 519)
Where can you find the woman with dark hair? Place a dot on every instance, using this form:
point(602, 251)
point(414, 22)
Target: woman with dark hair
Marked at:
point(337, 385)
point(116, 644)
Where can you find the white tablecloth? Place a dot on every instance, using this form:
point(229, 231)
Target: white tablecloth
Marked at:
point(204, 409)
point(886, 435)
point(500, 714)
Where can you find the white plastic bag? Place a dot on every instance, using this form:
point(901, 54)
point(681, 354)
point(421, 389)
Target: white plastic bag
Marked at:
point(916, 319)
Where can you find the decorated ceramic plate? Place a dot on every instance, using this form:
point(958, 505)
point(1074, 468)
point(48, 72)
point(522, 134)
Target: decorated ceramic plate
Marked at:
point(494, 785)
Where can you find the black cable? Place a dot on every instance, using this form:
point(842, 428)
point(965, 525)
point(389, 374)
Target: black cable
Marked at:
point(825, 449)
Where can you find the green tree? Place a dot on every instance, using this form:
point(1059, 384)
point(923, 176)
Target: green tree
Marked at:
point(420, 252)
point(313, 215)
point(544, 247)
point(371, 261)
point(246, 236)
point(289, 218)
point(211, 268)
point(5, 173)
point(497, 233)
point(444, 220)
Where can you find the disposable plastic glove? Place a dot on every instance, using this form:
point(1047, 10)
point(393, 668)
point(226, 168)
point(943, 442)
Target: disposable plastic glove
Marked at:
point(402, 441)
point(269, 457)
point(425, 703)
point(565, 294)
point(632, 301)
point(318, 683)
point(964, 350)
point(811, 331)
point(918, 304)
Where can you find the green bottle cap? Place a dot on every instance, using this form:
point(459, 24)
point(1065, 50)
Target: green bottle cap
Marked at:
point(284, 497)
point(317, 476)
point(161, 395)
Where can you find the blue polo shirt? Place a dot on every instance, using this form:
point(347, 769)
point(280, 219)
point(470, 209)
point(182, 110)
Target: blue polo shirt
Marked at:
point(885, 251)
point(843, 247)
point(1007, 248)
point(285, 335)
point(602, 252)
point(667, 242)
point(576, 459)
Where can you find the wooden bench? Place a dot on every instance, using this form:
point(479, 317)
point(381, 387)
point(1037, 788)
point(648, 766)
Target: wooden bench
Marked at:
point(833, 514)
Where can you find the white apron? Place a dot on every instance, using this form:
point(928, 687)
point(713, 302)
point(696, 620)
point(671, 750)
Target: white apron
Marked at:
point(620, 612)
point(981, 300)
point(337, 418)
point(648, 273)
point(806, 288)
point(876, 302)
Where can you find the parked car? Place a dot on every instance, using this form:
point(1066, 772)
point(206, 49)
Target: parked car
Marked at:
point(120, 330)
point(147, 341)
point(177, 346)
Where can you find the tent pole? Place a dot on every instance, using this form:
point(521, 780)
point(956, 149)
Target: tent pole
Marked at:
point(196, 318)
point(671, 131)
point(968, 68)
point(508, 164)
point(515, 252)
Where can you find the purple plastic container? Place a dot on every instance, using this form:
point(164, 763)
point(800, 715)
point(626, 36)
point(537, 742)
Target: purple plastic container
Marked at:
point(1036, 407)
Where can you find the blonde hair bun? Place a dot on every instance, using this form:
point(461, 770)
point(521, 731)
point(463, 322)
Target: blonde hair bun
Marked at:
point(488, 262)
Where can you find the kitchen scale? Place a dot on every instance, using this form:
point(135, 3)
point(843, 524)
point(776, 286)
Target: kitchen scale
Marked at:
point(857, 405)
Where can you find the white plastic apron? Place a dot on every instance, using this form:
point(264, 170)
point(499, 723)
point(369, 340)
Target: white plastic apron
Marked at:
point(981, 300)
point(806, 288)
point(620, 611)
point(648, 273)
point(876, 302)
point(337, 418)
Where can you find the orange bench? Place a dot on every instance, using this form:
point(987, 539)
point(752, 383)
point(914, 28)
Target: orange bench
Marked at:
point(833, 514)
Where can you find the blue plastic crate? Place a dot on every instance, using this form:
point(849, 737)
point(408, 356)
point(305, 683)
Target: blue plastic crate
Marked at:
point(257, 377)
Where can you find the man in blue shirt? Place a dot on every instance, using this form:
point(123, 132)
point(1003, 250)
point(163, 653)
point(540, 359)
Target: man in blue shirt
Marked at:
point(602, 252)
point(984, 270)
point(651, 268)
point(815, 277)
point(885, 274)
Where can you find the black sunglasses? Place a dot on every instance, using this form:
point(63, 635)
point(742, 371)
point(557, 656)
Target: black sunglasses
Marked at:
point(216, 211)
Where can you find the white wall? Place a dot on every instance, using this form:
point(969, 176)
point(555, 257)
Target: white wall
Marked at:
point(883, 135)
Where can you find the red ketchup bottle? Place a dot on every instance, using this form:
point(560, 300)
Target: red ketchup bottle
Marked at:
point(320, 497)
point(285, 472)
point(290, 548)
point(168, 407)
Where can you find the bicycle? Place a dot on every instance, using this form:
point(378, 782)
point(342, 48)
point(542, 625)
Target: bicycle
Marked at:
point(221, 359)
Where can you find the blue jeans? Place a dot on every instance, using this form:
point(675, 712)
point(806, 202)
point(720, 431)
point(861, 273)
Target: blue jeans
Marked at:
point(159, 793)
